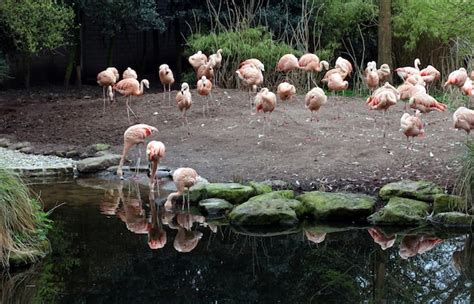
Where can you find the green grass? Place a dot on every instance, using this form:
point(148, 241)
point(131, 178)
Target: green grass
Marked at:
point(465, 182)
point(23, 224)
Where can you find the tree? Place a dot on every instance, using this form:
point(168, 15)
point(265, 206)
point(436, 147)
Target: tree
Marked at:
point(34, 26)
point(385, 32)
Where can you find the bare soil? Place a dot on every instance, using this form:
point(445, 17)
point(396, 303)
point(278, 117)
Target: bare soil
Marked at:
point(346, 153)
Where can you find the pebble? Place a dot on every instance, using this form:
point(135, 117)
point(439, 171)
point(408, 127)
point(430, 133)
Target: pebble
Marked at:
point(11, 159)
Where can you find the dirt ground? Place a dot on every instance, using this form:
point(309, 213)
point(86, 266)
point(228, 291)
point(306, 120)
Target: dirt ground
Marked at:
point(346, 153)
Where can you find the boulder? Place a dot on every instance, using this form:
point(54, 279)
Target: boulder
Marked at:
point(277, 184)
point(5, 142)
point(215, 206)
point(92, 149)
point(95, 164)
point(418, 190)
point(335, 206)
point(447, 203)
point(72, 154)
point(260, 188)
point(283, 194)
point(232, 192)
point(453, 219)
point(19, 145)
point(279, 211)
point(401, 211)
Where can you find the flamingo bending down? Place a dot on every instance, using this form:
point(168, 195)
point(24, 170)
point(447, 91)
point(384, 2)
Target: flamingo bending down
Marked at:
point(184, 178)
point(129, 73)
point(457, 78)
point(411, 126)
point(155, 151)
point(287, 64)
point(184, 101)
point(310, 63)
point(106, 79)
point(129, 87)
point(197, 59)
point(252, 77)
point(134, 135)
point(382, 99)
point(204, 88)
point(405, 72)
point(463, 119)
point(255, 62)
point(265, 102)
point(166, 78)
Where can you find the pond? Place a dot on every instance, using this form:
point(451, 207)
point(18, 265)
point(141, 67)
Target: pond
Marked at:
point(104, 231)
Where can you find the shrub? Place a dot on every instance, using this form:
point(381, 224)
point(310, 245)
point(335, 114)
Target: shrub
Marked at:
point(465, 182)
point(23, 224)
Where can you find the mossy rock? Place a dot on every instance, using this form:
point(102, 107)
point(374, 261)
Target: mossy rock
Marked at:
point(335, 206)
point(447, 203)
point(197, 192)
point(101, 147)
point(453, 219)
point(215, 206)
point(260, 188)
point(418, 190)
point(402, 212)
point(232, 192)
point(283, 194)
point(277, 211)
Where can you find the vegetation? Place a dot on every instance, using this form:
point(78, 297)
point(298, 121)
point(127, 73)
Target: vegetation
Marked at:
point(465, 183)
point(23, 224)
point(4, 69)
point(34, 26)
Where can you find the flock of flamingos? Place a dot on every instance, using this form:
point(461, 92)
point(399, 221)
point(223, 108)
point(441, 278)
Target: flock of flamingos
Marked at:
point(383, 95)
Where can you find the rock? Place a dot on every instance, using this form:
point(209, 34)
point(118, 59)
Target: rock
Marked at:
point(418, 190)
point(401, 211)
point(453, 219)
point(19, 145)
point(260, 188)
point(447, 203)
point(72, 154)
point(101, 147)
point(60, 153)
point(27, 150)
point(335, 206)
point(94, 164)
point(232, 192)
point(277, 184)
point(283, 194)
point(269, 212)
point(5, 142)
point(215, 206)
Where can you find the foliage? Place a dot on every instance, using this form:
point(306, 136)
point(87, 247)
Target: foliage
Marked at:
point(23, 224)
point(465, 182)
point(237, 45)
point(4, 68)
point(35, 25)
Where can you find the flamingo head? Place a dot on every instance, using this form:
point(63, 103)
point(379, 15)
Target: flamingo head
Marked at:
point(185, 86)
point(164, 67)
point(146, 83)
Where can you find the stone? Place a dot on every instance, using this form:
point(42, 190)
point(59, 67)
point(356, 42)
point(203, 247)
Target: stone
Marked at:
point(27, 150)
point(19, 145)
point(95, 164)
point(260, 188)
point(277, 184)
point(215, 206)
point(72, 154)
point(418, 190)
point(401, 211)
point(232, 192)
point(283, 194)
point(92, 149)
point(342, 206)
point(5, 142)
point(447, 203)
point(453, 219)
point(280, 212)
point(60, 153)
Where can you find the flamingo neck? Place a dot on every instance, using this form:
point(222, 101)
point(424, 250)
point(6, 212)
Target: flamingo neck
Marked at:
point(141, 88)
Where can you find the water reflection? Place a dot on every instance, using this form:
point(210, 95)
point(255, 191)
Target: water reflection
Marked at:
point(412, 245)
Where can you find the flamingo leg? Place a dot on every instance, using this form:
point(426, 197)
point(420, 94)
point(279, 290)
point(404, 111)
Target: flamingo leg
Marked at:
point(138, 161)
point(188, 199)
point(128, 112)
point(169, 94)
point(264, 120)
point(103, 95)
point(131, 108)
point(207, 106)
point(184, 202)
point(186, 120)
point(384, 122)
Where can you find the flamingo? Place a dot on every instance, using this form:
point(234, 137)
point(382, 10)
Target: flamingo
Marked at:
point(204, 87)
point(156, 233)
point(384, 73)
point(216, 60)
point(385, 241)
point(336, 83)
point(464, 119)
point(426, 103)
point(197, 59)
point(286, 91)
point(155, 151)
point(315, 237)
point(344, 65)
point(134, 135)
point(371, 76)
point(310, 63)
point(205, 70)
point(129, 87)
point(467, 88)
point(472, 75)
point(405, 72)
point(252, 77)
point(411, 88)
point(412, 126)
point(330, 72)
point(287, 64)
point(186, 241)
point(184, 178)
point(313, 100)
point(184, 101)
point(382, 99)
point(457, 78)
point(106, 79)
point(430, 74)
point(129, 73)
point(265, 102)
point(255, 62)
point(166, 78)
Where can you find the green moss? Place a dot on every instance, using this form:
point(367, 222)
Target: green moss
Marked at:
point(401, 211)
point(232, 192)
point(101, 147)
point(454, 219)
point(266, 212)
point(215, 206)
point(418, 190)
point(284, 194)
point(260, 188)
point(335, 206)
point(446, 203)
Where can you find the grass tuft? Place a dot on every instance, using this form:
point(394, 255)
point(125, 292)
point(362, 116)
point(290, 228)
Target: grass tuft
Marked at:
point(465, 182)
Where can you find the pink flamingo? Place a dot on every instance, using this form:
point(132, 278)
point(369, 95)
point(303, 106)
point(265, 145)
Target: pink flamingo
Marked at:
point(287, 64)
point(129, 73)
point(310, 63)
point(197, 59)
point(313, 100)
point(457, 78)
point(155, 151)
point(405, 72)
point(106, 79)
point(463, 119)
point(251, 75)
point(204, 88)
point(382, 99)
point(371, 76)
point(184, 178)
point(265, 102)
point(129, 87)
point(166, 78)
point(184, 101)
point(411, 125)
point(384, 73)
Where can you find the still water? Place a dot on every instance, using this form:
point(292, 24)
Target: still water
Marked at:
point(110, 245)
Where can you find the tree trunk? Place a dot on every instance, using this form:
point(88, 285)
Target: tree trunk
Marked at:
point(74, 51)
point(385, 33)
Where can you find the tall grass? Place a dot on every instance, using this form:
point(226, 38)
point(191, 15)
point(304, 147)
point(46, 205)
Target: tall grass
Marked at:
point(465, 182)
point(23, 225)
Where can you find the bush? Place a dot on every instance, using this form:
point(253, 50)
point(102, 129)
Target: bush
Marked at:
point(23, 224)
point(239, 45)
point(465, 182)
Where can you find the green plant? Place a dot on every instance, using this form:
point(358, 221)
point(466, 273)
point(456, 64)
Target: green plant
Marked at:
point(465, 182)
point(23, 224)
